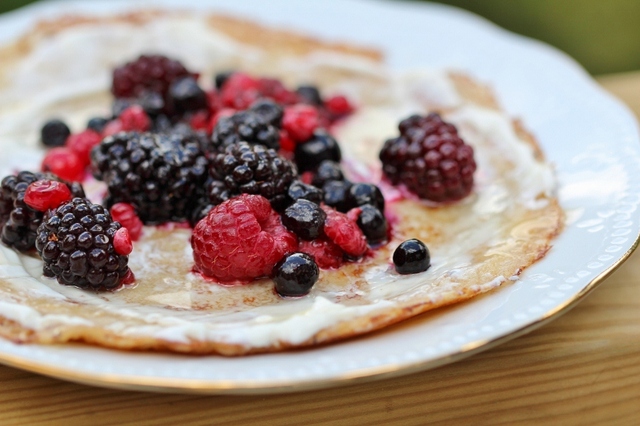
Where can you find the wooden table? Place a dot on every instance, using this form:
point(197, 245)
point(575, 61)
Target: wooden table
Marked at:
point(583, 368)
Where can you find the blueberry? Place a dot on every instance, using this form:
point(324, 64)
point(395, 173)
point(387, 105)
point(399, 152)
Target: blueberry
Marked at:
point(360, 194)
point(120, 104)
point(373, 224)
point(221, 78)
point(97, 124)
point(304, 218)
point(269, 111)
point(322, 146)
point(54, 133)
point(310, 95)
point(411, 257)
point(295, 274)
point(186, 95)
point(151, 102)
point(335, 194)
point(300, 190)
point(327, 170)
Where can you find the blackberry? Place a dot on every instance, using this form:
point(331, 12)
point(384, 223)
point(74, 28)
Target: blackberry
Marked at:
point(185, 95)
point(411, 256)
point(430, 158)
point(300, 190)
point(327, 170)
point(322, 146)
point(310, 95)
point(162, 175)
point(373, 224)
point(250, 169)
point(20, 222)
point(97, 124)
point(360, 194)
point(75, 242)
point(295, 275)
point(335, 194)
point(305, 219)
point(247, 126)
point(54, 133)
point(153, 73)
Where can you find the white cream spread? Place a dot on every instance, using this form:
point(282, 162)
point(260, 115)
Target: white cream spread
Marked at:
point(68, 76)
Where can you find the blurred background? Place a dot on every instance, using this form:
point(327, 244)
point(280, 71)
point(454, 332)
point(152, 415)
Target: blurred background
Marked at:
point(603, 35)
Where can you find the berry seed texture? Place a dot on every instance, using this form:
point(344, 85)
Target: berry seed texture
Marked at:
point(229, 196)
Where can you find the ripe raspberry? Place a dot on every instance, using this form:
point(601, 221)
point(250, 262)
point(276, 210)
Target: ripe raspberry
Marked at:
point(76, 243)
point(239, 91)
point(240, 240)
point(153, 73)
point(338, 106)
point(135, 119)
point(300, 121)
point(344, 232)
point(43, 195)
point(325, 252)
point(19, 222)
point(126, 214)
point(274, 89)
point(430, 159)
point(82, 143)
point(64, 163)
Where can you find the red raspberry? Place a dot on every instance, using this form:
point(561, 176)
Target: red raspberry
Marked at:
point(240, 91)
point(326, 254)
point(286, 143)
point(135, 119)
point(82, 143)
point(338, 106)
point(214, 101)
point(43, 195)
point(122, 242)
point(430, 158)
point(112, 127)
point(300, 121)
point(64, 163)
point(240, 240)
point(274, 89)
point(199, 120)
point(126, 214)
point(344, 232)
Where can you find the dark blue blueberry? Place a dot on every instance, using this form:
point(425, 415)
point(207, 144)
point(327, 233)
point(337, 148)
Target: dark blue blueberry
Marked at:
point(322, 146)
point(360, 194)
point(295, 274)
point(54, 133)
point(373, 224)
point(151, 102)
point(221, 78)
point(97, 124)
point(305, 219)
point(327, 170)
point(185, 95)
point(411, 257)
point(120, 104)
point(300, 190)
point(269, 111)
point(335, 194)
point(310, 95)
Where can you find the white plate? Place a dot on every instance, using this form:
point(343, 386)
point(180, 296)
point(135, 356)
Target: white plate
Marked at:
point(589, 136)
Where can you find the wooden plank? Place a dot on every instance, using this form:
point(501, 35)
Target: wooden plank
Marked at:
point(583, 368)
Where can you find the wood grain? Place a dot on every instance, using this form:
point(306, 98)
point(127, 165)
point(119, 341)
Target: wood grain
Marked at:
point(583, 368)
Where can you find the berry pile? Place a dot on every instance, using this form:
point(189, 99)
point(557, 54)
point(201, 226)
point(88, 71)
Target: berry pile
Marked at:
point(225, 159)
point(430, 159)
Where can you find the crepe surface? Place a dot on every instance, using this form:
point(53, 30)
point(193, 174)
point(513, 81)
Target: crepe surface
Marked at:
point(478, 244)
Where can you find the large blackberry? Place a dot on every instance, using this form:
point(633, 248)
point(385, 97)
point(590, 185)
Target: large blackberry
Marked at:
point(255, 126)
point(149, 72)
point(162, 175)
point(76, 242)
point(19, 222)
point(430, 158)
point(250, 169)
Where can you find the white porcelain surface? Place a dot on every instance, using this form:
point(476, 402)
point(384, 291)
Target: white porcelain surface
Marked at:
point(590, 137)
